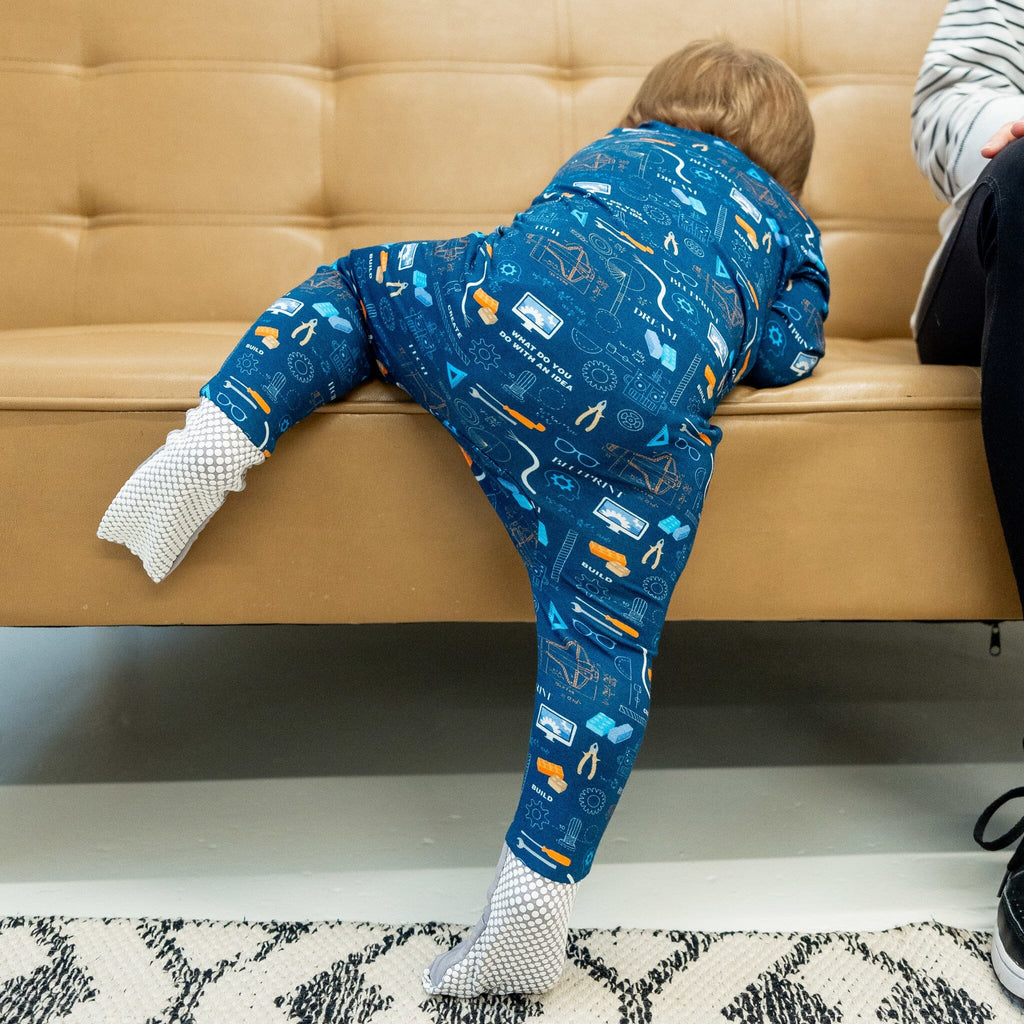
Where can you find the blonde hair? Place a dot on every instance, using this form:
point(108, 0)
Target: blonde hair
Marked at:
point(747, 97)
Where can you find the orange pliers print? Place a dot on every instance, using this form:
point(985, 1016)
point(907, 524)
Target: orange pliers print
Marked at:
point(595, 412)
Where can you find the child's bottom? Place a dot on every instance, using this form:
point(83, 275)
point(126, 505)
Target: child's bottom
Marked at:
point(600, 497)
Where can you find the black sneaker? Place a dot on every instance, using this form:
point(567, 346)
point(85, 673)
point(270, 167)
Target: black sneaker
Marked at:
point(1008, 940)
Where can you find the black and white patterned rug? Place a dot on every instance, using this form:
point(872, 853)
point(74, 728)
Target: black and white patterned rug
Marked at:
point(121, 971)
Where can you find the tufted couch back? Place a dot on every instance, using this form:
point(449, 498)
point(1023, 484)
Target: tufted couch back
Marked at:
point(188, 160)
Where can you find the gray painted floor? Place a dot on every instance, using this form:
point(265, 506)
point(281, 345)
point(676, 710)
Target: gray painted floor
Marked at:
point(368, 772)
point(176, 703)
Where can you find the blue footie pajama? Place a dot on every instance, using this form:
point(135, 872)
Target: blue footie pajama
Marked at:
point(577, 356)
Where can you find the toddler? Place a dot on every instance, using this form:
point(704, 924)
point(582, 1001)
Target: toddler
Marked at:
point(577, 356)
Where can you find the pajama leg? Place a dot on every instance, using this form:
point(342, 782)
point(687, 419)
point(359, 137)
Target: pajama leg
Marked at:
point(518, 945)
point(601, 592)
point(604, 550)
point(309, 347)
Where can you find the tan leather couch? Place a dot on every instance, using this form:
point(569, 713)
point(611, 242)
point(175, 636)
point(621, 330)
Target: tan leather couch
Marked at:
point(168, 169)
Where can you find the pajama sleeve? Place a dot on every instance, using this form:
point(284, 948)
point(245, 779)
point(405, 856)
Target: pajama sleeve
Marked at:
point(971, 82)
point(793, 339)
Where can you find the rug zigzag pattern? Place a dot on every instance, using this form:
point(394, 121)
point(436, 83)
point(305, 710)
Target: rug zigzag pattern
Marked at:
point(147, 971)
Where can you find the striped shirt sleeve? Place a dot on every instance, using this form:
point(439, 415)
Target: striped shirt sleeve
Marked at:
point(971, 82)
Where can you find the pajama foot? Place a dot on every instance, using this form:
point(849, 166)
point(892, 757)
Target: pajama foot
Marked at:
point(168, 500)
point(518, 946)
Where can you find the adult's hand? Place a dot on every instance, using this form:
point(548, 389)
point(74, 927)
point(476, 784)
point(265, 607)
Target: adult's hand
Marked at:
point(1005, 135)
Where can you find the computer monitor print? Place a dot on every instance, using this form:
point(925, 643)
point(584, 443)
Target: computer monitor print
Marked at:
point(407, 255)
point(804, 363)
point(556, 726)
point(620, 519)
point(289, 307)
point(536, 316)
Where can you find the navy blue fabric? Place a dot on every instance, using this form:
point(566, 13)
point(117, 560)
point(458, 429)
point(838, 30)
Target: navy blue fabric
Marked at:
point(577, 356)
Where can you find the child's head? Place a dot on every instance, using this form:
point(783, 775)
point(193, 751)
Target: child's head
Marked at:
point(747, 97)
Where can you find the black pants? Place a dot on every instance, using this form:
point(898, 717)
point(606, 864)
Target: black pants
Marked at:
point(972, 313)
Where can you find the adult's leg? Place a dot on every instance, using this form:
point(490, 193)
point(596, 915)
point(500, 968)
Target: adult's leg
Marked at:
point(972, 313)
point(306, 349)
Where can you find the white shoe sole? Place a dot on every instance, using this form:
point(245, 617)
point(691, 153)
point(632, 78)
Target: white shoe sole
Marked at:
point(1009, 973)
